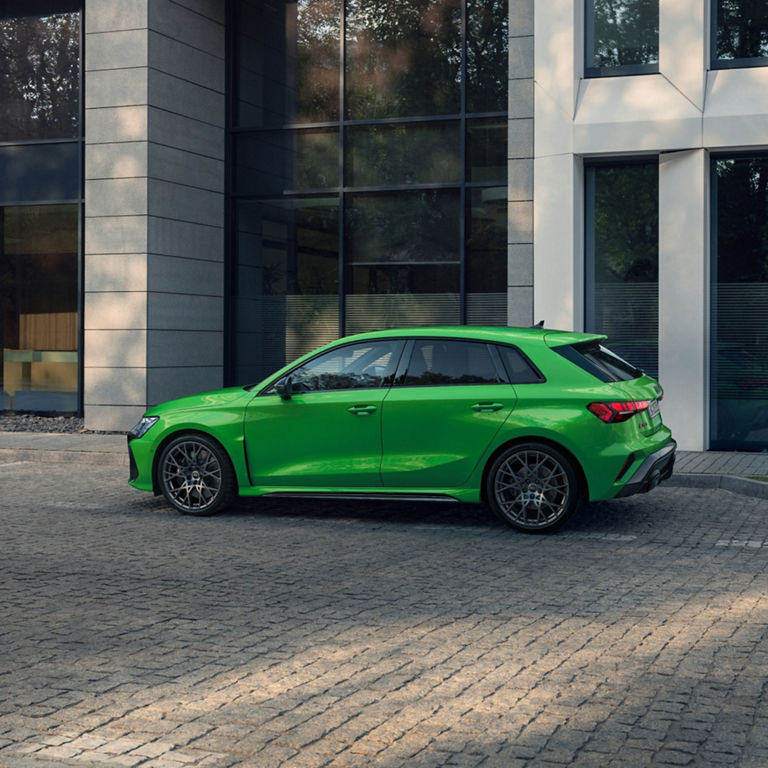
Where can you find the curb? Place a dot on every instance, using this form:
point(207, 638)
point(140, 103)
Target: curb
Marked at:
point(743, 485)
point(42, 456)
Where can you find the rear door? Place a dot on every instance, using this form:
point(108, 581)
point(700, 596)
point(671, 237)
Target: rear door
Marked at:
point(447, 404)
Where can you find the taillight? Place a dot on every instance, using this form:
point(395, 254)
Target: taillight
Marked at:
point(611, 413)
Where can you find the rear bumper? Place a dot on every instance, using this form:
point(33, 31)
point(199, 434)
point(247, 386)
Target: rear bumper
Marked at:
point(656, 468)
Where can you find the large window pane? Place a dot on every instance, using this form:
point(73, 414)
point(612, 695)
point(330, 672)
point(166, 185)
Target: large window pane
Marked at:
point(486, 256)
point(487, 55)
point(487, 149)
point(739, 355)
point(40, 172)
point(742, 31)
point(272, 162)
point(622, 252)
point(622, 36)
point(39, 70)
point(409, 153)
point(402, 227)
point(402, 58)
point(287, 64)
point(38, 303)
point(286, 281)
point(401, 295)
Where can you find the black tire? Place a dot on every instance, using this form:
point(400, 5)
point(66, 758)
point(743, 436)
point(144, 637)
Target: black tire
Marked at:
point(533, 487)
point(196, 476)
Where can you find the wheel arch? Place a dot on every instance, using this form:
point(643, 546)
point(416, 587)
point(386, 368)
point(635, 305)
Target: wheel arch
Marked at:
point(178, 433)
point(583, 484)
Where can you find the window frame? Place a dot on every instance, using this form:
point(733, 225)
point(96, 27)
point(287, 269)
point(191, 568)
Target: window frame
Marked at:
point(591, 71)
point(718, 63)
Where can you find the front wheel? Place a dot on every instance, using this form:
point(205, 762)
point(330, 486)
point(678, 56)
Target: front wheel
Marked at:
point(196, 476)
point(533, 487)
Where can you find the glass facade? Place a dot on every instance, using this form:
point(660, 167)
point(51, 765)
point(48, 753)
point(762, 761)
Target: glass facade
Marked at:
point(40, 199)
point(622, 259)
point(739, 304)
point(621, 37)
point(739, 33)
point(369, 170)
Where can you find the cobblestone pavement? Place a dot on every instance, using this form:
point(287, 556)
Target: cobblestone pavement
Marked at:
point(356, 634)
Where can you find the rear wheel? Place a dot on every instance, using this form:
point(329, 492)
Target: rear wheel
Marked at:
point(533, 487)
point(196, 476)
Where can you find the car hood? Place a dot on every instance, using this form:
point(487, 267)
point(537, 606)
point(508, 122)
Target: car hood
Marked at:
point(213, 399)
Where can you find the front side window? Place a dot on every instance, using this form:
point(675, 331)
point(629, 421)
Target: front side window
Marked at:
point(740, 33)
point(621, 37)
point(356, 366)
point(436, 362)
point(621, 244)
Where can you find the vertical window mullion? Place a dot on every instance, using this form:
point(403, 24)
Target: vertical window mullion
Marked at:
point(463, 189)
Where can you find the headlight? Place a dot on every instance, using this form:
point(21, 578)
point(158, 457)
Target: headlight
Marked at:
point(143, 426)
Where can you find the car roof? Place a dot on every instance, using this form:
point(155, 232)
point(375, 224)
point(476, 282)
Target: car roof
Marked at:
point(503, 334)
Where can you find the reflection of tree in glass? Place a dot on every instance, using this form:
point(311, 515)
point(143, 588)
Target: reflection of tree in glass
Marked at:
point(626, 32)
point(626, 223)
point(402, 227)
point(487, 50)
point(403, 58)
point(742, 220)
point(317, 60)
point(742, 29)
point(39, 80)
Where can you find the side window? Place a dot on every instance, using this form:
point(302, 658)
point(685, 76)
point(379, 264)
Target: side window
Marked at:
point(439, 361)
point(520, 371)
point(367, 365)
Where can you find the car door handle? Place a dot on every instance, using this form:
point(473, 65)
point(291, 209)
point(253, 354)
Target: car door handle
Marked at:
point(487, 407)
point(362, 410)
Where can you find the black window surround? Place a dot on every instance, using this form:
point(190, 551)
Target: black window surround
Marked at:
point(717, 62)
point(622, 70)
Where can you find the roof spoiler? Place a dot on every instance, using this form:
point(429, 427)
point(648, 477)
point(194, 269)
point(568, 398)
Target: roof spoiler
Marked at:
point(540, 324)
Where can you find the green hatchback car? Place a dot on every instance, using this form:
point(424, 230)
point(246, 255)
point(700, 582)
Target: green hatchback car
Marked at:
point(530, 420)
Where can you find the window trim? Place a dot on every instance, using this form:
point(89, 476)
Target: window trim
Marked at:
point(622, 70)
point(718, 63)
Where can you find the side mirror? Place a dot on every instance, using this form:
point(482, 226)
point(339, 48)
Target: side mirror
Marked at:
point(284, 388)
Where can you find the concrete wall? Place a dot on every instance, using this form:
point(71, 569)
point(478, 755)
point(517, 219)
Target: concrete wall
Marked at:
point(679, 114)
point(520, 165)
point(154, 204)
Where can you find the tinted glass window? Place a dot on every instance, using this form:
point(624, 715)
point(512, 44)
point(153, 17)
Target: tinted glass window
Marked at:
point(40, 70)
point(434, 362)
point(622, 258)
point(739, 300)
point(742, 31)
point(622, 35)
point(356, 366)
point(520, 371)
point(599, 361)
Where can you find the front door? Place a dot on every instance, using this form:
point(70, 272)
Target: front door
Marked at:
point(327, 434)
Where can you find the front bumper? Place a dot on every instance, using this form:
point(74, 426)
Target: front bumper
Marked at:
point(656, 468)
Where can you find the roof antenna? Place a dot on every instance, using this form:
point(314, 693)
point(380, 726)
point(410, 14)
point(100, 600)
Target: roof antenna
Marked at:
point(540, 324)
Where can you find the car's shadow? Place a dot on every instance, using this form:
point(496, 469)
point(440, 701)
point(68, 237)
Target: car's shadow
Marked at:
point(626, 516)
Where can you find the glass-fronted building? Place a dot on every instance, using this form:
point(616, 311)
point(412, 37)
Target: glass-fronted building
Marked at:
point(194, 192)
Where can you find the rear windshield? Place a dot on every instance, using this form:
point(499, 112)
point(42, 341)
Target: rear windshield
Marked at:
point(599, 361)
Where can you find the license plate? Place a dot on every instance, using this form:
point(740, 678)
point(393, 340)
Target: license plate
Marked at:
point(653, 409)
